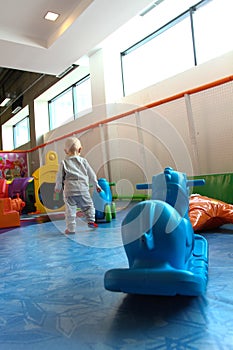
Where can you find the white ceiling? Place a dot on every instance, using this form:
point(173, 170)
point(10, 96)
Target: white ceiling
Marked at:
point(30, 43)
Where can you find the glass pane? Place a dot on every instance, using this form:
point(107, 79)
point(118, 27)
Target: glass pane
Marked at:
point(61, 109)
point(21, 132)
point(83, 98)
point(169, 53)
point(215, 37)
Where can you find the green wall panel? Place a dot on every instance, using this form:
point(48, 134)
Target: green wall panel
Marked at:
point(218, 186)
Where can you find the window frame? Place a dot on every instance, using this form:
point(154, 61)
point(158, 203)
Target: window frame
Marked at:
point(53, 100)
point(187, 13)
point(15, 127)
point(75, 113)
point(78, 112)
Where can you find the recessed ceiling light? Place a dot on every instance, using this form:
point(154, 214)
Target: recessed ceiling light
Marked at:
point(51, 16)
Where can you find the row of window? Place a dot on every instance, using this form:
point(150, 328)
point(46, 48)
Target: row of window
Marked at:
point(63, 108)
point(200, 33)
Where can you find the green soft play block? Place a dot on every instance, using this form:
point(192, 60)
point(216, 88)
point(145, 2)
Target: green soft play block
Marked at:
point(217, 186)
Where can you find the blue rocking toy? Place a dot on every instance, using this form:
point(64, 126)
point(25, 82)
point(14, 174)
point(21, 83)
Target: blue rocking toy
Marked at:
point(165, 256)
point(105, 208)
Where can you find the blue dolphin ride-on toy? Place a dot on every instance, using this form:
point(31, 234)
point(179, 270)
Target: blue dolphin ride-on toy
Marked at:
point(165, 256)
point(105, 208)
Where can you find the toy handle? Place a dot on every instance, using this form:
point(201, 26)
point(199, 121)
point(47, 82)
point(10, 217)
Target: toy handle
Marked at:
point(190, 183)
point(200, 182)
point(143, 186)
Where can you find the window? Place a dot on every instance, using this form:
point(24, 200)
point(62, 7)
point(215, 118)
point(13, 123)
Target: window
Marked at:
point(71, 103)
point(215, 38)
point(82, 96)
point(21, 132)
point(200, 33)
point(61, 109)
point(168, 53)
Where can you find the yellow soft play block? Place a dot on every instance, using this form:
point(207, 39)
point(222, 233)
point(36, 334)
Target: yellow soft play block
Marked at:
point(44, 182)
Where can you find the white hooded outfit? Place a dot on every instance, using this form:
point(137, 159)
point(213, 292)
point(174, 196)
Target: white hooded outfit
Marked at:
point(74, 177)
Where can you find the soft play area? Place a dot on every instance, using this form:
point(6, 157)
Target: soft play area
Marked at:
point(155, 274)
point(27, 197)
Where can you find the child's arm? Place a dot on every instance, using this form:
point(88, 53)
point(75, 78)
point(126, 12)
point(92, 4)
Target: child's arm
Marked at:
point(59, 179)
point(92, 177)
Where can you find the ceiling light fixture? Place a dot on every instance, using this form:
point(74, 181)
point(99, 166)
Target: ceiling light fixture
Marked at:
point(66, 71)
point(5, 101)
point(150, 7)
point(16, 110)
point(51, 16)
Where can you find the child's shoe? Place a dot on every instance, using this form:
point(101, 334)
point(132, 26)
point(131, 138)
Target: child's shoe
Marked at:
point(92, 225)
point(67, 232)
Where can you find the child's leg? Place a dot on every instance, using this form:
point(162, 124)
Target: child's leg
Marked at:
point(87, 206)
point(70, 214)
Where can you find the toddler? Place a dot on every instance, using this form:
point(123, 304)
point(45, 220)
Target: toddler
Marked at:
point(74, 176)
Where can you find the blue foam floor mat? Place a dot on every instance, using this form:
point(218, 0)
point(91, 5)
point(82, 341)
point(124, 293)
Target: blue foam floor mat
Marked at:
point(52, 294)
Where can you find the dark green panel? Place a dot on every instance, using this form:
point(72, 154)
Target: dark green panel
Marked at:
point(218, 186)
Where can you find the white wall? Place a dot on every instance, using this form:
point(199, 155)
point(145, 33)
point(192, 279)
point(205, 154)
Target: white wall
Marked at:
point(132, 149)
point(202, 74)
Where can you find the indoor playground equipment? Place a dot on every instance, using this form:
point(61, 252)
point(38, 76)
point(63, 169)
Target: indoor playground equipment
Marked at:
point(165, 256)
point(20, 190)
point(207, 213)
point(10, 207)
point(44, 182)
point(3, 188)
point(23, 188)
point(13, 164)
point(17, 204)
point(105, 208)
point(9, 217)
